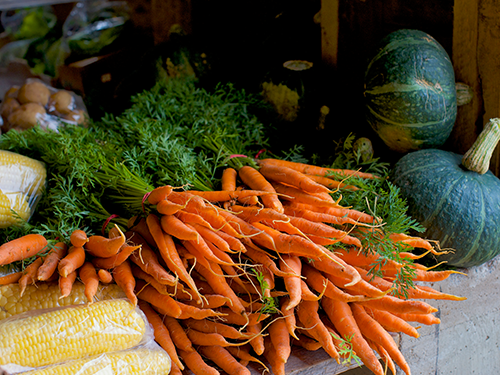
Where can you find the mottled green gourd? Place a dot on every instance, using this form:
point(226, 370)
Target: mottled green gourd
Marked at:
point(456, 198)
point(410, 93)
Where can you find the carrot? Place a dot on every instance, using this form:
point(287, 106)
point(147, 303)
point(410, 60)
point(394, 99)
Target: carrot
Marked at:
point(225, 360)
point(228, 179)
point(374, 331)
point(175, 370)
point(193, 312)
point(148, 261)
point(331, 183)
point(208, 339)
point(161, 333)
point(88, 275)
point(427, 319)
point(140, 274)
point(396, 305)
point(149, 294)
point(178, 335)
point(192, 218)
point(11, 278)
point(212, 236)
point(337, 267)
point(66, 284)
point(257, 342)
point(78, 238)
point(255, 213)
point(360, 288)
point(51, 261)
point(209, 326)
point(340, 314)
point(141, 227)
point(22, 248)
point(115, 260)
point(317, 216)
point(196, 364)
point(307, 312)
point(125, 279)
point(234, 243)
point(423, 275)
point(292, 264)
point(166, 207)
point(414, 242)
point(172, 225)
point(277, 366)
point(210, 301)
point(72, 261)
point(104, 247)
point(29, 275)
point(230, 317)
point(258, 256)
point(357, 216)
point(292, 177)
point(392, 323)
point(104, 276)
point(306, 343)
point(204, 250)
point(247, 201)
point(289, 316)
point(224, 195)
point(243, 352)
point(315, 170)
point(280, 339)
point(386, 358)
point(255, 180)
point(158, 194)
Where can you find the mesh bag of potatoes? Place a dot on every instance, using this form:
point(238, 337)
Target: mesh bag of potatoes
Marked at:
point(22, 180)
point(35, 102)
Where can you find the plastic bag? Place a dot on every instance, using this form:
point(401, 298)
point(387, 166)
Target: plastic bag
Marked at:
point(37, 103)
point(21, 186)
point(71, 333)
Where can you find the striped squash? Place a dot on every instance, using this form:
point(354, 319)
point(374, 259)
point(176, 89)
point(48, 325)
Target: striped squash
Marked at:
point(410, 93)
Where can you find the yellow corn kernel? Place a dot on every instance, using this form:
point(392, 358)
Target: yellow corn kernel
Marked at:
point(46, 295)
point(72, 332)
point(139, 360)
point(19, 173)
point(16, 202)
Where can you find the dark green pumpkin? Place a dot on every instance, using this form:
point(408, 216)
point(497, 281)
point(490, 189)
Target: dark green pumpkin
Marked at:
point(456, 198)
point(410, 94)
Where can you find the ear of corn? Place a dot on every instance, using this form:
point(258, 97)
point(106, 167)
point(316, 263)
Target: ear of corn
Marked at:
point(22, 180)
point(46, 295)
point(150, 360)
point(72, 332)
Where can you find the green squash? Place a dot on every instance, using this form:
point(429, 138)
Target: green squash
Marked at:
point(410, 93)
point(456, 198)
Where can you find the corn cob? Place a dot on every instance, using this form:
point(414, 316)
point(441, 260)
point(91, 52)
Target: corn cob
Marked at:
point(133, 361)
point(20, 173)
point(13, 207)
point(46, 295)
point(72, 332)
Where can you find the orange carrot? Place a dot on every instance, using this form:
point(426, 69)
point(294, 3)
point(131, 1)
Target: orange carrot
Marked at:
point(139, 226)
point(178, 335)
point(292, 264)
point(22, 248)
point(330, 183)
point(280, 339)
point(392, 323)
point(255, 213)
point(165, 207)
point(115, 260)
point(210, 301)
point(51, 261)
point(396, 305)
point(66, 284)
point(104, 276)
point(149, 294)
point(255, 180)
point(176, 228)
point(259, 256)
point(104, 247)
point(243, 352)
point(158, 194)
point(374, 331)
point(289, 316)
point(257, 342)
point(125, 279)
point(209, 326)
point(175, 370)
point(11, 278)
point(306, 343)
point(212, 236)
point(340, 314)
point(88, 275)
point(308, 314)
point(78, 238)
point(72, 261)
point(315, 170)
point(147, 260)
point(360, 288)
point(190, 311)
point(29, 274)
point(208, 339)
point(196, 364)
point(224, 195)
point(161, 333)
point(223, 359)
point(140, 274)
point(290, 210)
point(355, 215)
point(337, 267)
point(228, 179)
point(291, 177)
point(277, 366)
point(427, 319)
point(230, 317)
point(384, 355)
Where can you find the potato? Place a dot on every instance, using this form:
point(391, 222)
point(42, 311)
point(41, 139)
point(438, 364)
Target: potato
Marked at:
point(79, 116)
point(26, 116)
point(11, 93)
point(61, 102)
point(34, 92)
point(9, 105)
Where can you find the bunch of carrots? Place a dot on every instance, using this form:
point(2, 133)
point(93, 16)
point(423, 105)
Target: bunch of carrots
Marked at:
point(245, 273)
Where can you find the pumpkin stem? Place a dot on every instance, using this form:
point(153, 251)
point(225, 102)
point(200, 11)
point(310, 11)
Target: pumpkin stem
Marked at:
point(477, 158)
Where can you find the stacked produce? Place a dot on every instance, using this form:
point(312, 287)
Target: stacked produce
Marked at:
point(269, 261)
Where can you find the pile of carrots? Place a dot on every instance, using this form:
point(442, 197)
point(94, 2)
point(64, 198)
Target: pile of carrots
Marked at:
point(245, 273)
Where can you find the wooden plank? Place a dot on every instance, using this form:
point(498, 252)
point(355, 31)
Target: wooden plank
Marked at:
point(329, 32)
